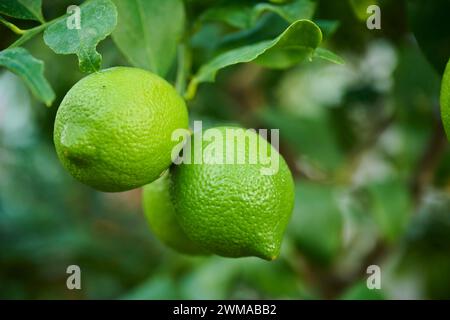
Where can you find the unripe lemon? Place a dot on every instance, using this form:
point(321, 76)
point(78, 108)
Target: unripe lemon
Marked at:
point(233, 209)
point(445, 100)
point(160, 213)
point(113, 128)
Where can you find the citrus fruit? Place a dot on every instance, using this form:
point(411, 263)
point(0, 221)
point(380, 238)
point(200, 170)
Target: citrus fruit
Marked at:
point(161, 217)
point(231, 208)
point(113, 128)
point(445, 100)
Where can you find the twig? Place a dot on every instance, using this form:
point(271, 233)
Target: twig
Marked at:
point(12, 26)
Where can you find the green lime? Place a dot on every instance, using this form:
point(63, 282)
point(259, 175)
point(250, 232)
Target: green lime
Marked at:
point(113, 128)
point(161, 217)
point(445, 100)
point(233, 209)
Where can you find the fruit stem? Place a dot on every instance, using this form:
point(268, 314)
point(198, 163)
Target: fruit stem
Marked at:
point(12, 26)
point(183, 68)
point(191, 89)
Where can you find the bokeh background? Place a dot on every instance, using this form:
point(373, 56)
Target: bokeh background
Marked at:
point(363, 140)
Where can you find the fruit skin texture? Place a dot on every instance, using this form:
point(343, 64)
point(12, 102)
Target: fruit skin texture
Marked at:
point(113, 128)
point(232, 209)
point(445, 100)
point(160, 213)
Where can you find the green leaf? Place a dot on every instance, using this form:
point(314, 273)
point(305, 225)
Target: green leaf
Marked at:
point(295, 44)
point(273, 280)
point(445, 100)
point(98, 20)
point(328, 27)
point(148, 32)
point(291, 11)
point(159, 286)
point(360, 291)
point(31, 70)
point(391, 207)
point(244, 16)
point(328, 56)
point(238, 16)
point(22, 9)
point(210, 280)
point(360, 8)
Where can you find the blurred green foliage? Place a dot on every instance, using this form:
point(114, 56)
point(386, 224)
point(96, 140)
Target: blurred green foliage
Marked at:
point(364, 142)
